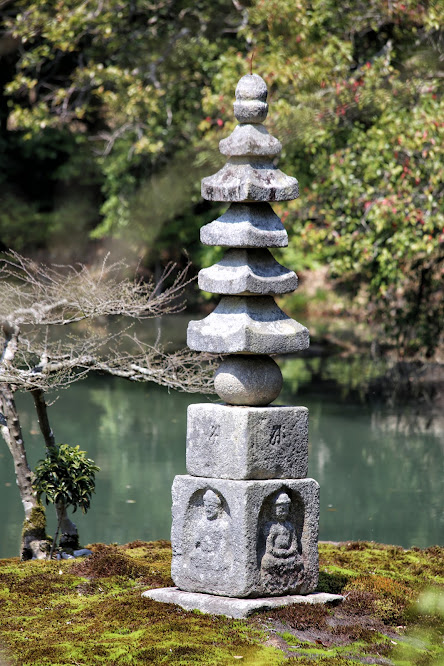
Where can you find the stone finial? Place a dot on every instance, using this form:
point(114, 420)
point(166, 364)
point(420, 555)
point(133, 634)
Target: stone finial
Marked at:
point(247, 319)
point(250, 141)
point(250, 173)
point(250, 105)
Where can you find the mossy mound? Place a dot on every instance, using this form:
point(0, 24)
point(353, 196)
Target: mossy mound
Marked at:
point(149, 563)
point(91, 612)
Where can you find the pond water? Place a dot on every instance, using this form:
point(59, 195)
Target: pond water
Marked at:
point(380, 469)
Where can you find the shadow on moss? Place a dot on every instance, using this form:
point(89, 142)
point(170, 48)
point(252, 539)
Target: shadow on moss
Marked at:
point(332, 583)
point(107, 561)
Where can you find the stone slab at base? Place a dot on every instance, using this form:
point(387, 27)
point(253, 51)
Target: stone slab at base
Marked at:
point(231, 607)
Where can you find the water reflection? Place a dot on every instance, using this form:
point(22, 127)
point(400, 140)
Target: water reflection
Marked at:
point(377, 482)
point(380, 471)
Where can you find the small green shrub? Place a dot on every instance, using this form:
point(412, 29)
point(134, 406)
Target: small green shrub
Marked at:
point(66, 476)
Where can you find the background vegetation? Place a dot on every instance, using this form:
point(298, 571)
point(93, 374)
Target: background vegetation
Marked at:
point(110, 113)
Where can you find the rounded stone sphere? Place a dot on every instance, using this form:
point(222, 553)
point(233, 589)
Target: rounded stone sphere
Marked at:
point(250, 105)
point(252, 380)
point(250, 87)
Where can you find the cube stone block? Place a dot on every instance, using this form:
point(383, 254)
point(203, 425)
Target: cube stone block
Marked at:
point(233, 442)
point(245, 538)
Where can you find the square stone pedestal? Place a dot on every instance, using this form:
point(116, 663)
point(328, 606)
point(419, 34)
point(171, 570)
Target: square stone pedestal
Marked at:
point(248, 538)
point(231, 442)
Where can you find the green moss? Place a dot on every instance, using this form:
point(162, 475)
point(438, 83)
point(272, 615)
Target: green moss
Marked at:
point(325, 661)
point(333, 582)
point(416, 567)
point(91, 612)
point(35, 525)
point(96, 607)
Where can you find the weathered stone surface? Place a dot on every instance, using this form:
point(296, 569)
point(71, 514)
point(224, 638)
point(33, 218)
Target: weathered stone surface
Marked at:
point(245, 538)
point(233, 442)
point(252, 225)
point(243, 179)
point(245, 525)
point(82, 552)
point(251, 87)
point(251, 94)
point(247, 324)
point(248, 380)
point(236, 608)
point(248, 271)
point(250, 174)
point(254, 140)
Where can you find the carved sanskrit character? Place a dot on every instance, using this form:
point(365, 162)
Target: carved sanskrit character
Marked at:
point(210, 554)
point(281, 565)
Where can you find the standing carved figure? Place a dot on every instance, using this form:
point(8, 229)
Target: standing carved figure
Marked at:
point(210, 554)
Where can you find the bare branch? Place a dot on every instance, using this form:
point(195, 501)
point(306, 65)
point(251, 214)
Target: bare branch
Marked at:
point(36, 294)
point(183, 370)
point(36, 299)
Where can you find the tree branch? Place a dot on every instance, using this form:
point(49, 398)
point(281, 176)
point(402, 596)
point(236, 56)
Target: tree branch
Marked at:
point(61, 295)
point(35, 298)
point(42, 415)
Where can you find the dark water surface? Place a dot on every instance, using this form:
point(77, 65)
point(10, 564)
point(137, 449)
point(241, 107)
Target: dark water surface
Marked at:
point(380, 470)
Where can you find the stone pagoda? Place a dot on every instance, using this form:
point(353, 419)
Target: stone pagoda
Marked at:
point(245, 517)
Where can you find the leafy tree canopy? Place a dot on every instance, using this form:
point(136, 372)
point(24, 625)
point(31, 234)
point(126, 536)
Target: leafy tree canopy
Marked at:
point(122, 82)
point(356, 98)
point(135, 96)
point(66, 475)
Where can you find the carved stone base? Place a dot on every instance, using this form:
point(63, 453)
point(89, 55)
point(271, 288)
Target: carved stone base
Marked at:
point(245, 538)
point(237, 608)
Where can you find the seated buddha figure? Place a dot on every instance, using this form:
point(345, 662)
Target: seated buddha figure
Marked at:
point(281, 564)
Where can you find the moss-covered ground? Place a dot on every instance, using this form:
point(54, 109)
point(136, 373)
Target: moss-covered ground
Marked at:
point(91, 612)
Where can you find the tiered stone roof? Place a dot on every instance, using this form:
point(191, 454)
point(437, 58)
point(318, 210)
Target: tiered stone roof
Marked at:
point(247, 319)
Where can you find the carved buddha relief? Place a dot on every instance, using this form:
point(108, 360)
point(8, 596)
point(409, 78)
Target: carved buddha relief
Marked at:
point(209, 551)
point(280, 552)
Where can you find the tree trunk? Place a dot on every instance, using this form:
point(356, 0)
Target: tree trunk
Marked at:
point(158, 320)
point(54, 543)
point(69, 537)
point(34, 540)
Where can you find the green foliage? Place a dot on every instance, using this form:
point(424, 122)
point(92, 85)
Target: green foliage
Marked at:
point(134, 97)
point(128, 78)
point(66, 475)
point(356, 98)
point(49, 189)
